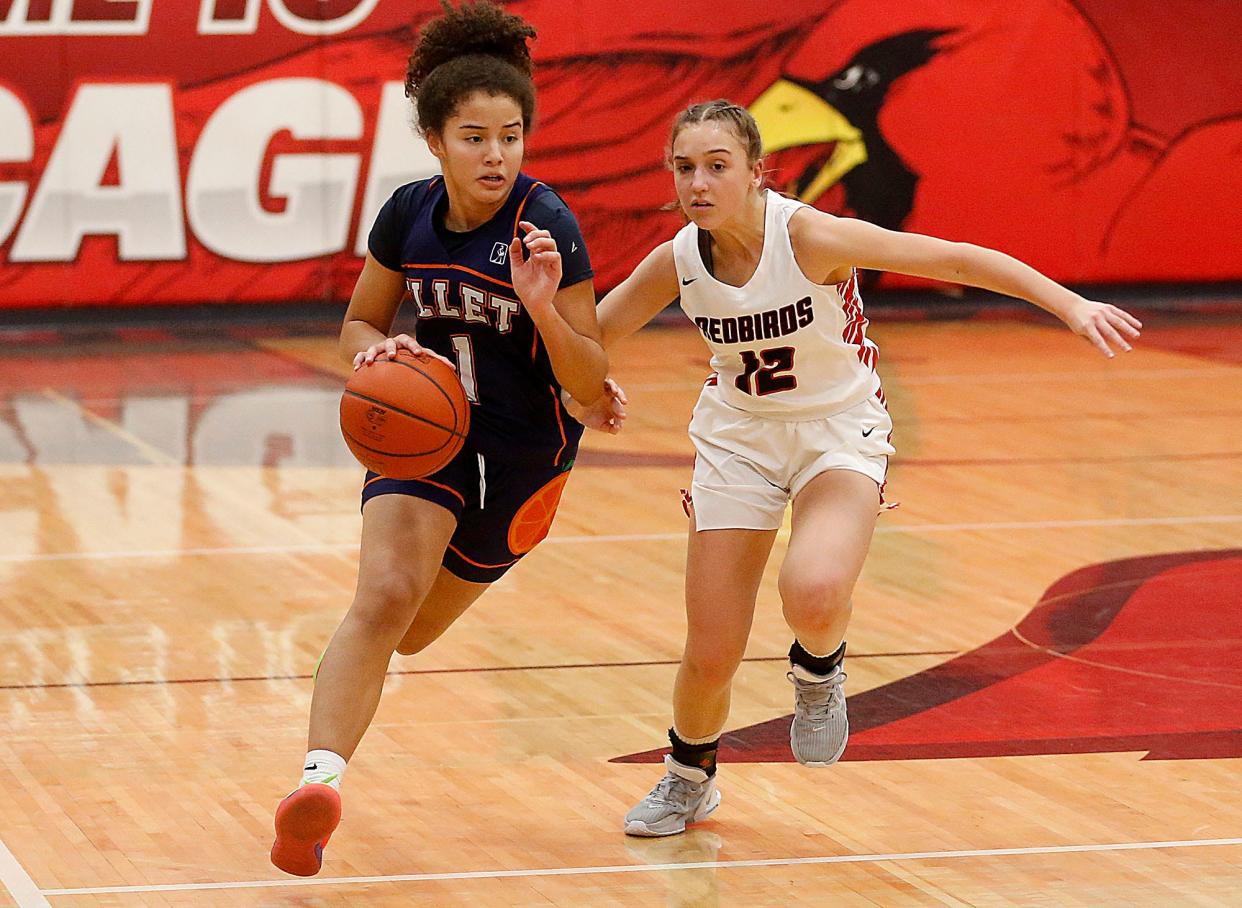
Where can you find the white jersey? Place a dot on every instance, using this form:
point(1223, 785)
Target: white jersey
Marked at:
point(782, 345)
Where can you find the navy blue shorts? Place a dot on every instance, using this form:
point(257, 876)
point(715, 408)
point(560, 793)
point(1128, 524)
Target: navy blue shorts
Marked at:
point(503, 508)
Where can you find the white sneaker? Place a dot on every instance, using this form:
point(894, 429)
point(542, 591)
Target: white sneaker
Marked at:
point(685, 795)
point(820, 725)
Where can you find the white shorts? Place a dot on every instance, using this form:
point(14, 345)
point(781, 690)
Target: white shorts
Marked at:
point(747, 468)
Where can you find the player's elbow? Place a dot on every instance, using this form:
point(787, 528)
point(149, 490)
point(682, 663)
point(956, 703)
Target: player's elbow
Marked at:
point(343, 347)
point(356, 334)
point(963, 263)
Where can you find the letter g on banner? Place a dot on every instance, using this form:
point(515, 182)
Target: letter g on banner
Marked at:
point(223, 192)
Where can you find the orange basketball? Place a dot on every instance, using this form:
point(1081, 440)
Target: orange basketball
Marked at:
point(404, 418)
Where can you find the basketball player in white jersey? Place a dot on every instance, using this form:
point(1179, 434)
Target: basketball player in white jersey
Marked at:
point(793, 413)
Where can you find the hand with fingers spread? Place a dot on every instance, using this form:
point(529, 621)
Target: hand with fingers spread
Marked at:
point(388, 347)
point(606, 414)
point(1103, 325)
point(537, 273)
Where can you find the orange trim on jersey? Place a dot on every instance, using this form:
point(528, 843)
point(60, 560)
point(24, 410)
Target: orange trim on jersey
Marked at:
point(534, 344)
point(486, 277)
point(522, 207)
point(429, 482)
point(556, 405)
point(468, 560)
point(440, 485)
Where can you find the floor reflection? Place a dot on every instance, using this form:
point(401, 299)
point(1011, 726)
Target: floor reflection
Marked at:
point(695, 887)
point(218, 404)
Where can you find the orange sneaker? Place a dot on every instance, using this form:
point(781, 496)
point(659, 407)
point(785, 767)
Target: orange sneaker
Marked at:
point(305, 821)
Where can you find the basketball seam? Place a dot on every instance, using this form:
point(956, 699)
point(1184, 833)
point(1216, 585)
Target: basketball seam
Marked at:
point(452, 403)
point(387, 406)
point(366, 447)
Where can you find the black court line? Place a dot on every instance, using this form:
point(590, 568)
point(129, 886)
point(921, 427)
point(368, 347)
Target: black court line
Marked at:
point(436, 671)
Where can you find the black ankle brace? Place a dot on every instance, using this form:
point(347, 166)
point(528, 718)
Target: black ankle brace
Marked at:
point(700, 756)
point(819, 665)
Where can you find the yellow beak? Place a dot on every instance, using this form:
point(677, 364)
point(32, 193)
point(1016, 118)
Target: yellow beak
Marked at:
point(790, 116)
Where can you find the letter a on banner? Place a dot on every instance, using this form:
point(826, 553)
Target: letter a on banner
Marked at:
point(143, 210)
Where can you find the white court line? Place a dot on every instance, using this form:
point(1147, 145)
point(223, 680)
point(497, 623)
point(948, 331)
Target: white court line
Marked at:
point(652, 868)
point(17, 881)
point(336, 548)
point(896, 379)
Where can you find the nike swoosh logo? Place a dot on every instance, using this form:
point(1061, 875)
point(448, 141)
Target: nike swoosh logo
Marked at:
point(688, 280)
point(869, 431)
point(310, 767)
point(574, 248)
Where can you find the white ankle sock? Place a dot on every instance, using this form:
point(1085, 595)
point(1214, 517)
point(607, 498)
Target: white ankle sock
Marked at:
point(694, 741)
point(324, 767)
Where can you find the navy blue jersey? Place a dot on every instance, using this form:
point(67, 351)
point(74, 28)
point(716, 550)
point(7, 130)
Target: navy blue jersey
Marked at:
point(462, 291)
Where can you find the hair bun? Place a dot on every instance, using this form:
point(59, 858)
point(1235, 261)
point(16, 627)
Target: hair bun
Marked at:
point(472, 28)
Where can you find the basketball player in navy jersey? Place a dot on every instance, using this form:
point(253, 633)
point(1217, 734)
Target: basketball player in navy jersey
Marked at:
point(793, 413)
point(519, 326)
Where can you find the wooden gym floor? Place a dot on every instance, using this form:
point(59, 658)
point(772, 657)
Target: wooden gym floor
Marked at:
point(1044, 672)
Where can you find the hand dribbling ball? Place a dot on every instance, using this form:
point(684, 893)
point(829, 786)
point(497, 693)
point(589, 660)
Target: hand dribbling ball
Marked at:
point(405, 418)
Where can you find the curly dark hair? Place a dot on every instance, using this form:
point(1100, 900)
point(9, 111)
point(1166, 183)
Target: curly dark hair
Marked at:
point(475, 47)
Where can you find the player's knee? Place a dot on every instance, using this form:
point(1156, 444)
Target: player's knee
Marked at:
point(385, 604)
point(711, 666)
point(817, 598)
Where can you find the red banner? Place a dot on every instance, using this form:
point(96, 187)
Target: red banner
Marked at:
point(237, 150)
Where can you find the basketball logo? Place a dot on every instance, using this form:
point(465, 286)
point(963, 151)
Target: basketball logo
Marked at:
point(500, 252)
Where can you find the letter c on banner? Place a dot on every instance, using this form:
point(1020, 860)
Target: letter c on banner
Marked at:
point(316, 25)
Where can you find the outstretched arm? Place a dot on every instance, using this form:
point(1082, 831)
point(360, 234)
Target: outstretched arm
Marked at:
point(830, 243)
point(634, 302)
point(640, 297)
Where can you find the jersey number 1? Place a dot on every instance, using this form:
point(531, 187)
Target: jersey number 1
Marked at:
point(768, 372)
point(465, 365)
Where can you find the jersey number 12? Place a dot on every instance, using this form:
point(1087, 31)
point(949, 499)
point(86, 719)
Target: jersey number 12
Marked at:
point(768, 372)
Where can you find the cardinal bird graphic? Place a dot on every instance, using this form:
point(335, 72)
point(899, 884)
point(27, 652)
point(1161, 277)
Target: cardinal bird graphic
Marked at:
point(1043, 129)
point(1013, 126)
point(825, 135)
point(1137, 655)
